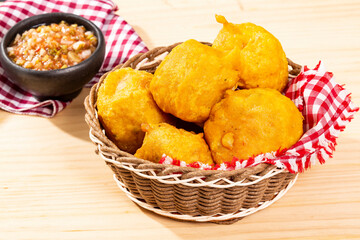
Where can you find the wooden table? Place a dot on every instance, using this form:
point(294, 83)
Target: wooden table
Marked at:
point(53, 185)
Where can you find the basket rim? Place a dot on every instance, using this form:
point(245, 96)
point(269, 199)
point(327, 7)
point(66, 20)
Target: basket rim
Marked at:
point(111, 152)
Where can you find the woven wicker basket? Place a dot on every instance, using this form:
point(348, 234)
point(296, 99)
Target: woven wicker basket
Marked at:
point(182, 192)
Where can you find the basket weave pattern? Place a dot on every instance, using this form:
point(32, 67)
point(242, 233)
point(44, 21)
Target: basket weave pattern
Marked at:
point(183, 192)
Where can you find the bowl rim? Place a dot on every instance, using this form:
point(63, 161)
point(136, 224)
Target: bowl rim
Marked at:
point(39, 20)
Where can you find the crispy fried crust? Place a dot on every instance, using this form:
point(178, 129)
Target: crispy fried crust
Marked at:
point(250, 122)
point(124, 102)
point(177, 143)
point(191, 79)
point(261, 61)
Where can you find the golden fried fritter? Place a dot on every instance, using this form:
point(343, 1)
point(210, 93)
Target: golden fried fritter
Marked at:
point(250, 122)
point(176, 143)
point(124, 102)
point(261, 59)
point(191, 79)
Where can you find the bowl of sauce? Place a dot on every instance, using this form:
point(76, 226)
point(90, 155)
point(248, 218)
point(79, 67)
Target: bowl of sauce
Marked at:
point(52, 55)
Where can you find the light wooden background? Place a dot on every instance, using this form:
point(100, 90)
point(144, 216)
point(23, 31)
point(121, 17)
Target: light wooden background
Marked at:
point(53, 186)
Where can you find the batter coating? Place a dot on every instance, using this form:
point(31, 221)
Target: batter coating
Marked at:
point(124, 102)
point(261, 60)
point(191, 79)
point(176, 143)
point(250, 122)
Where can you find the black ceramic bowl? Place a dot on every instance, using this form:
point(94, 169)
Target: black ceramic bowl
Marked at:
point(63, 84)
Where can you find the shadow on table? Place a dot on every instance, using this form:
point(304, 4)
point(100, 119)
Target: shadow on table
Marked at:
point(72, 119)
point(181, 228)
point(3, 115)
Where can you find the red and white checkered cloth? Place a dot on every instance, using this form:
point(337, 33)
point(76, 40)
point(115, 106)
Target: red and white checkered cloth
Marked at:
point(122, 42)
point(326, 107)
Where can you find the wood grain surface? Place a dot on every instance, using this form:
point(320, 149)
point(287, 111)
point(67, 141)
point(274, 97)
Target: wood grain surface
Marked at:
point(53, 185)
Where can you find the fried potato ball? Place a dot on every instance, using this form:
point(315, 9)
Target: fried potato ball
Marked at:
point(124, 102)
point(250, 122)
point(176, 143)
point(191, 79)
point(261, 59)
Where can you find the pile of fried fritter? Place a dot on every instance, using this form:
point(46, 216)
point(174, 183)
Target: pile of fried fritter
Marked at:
point(207, 104)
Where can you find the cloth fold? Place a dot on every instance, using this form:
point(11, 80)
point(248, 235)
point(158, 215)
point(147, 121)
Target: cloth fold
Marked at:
point(326, 107)
point(122, 42)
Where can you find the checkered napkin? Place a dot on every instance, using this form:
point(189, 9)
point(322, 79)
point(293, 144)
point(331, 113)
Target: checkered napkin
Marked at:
point(122, 42)
point(326, 107)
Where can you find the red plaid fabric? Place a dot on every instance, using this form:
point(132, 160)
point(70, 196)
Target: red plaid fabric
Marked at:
point(326, 107)
point(122, 42)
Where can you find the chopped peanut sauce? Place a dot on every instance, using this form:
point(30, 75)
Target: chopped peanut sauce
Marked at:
point(54, 46)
